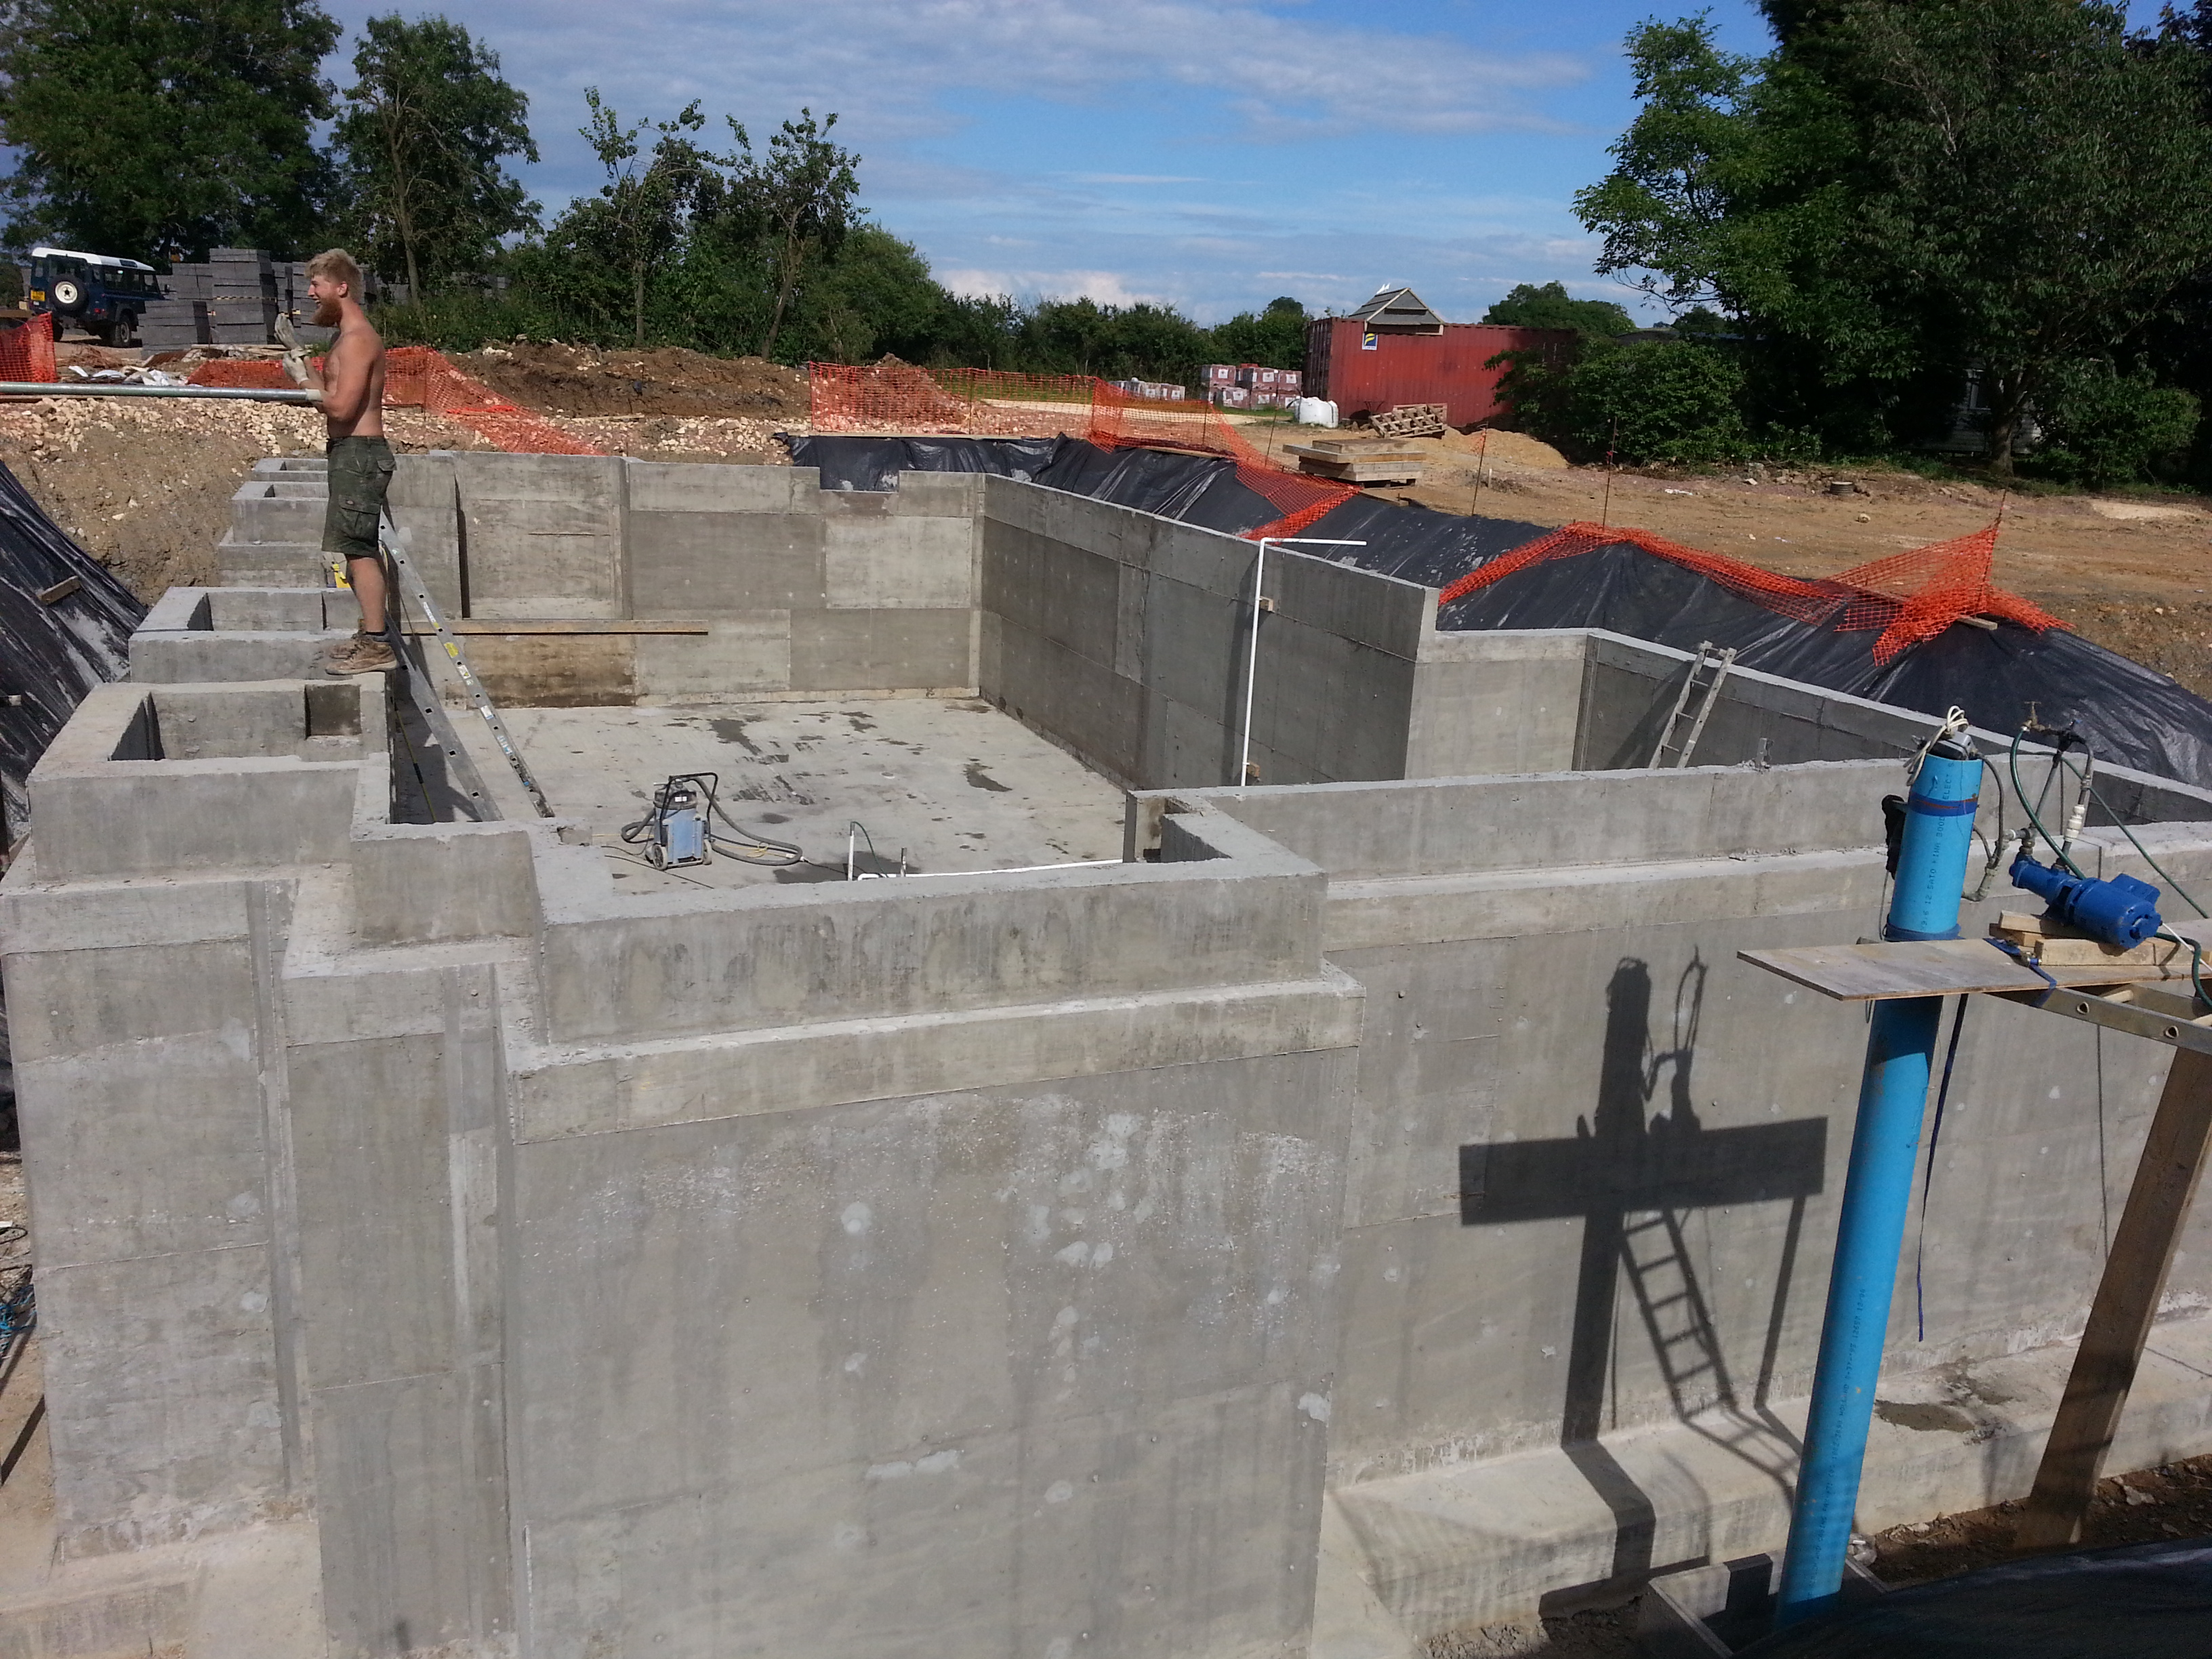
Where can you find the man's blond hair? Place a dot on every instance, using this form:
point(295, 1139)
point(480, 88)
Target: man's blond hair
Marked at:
point(340, 266)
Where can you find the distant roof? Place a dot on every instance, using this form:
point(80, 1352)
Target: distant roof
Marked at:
point(1399, 308)
point(42, 252)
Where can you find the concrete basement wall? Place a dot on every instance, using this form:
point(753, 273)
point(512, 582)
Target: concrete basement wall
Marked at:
point(851, 1270)
point(1125, 635)
point(800, 592)
point(1576, 1106)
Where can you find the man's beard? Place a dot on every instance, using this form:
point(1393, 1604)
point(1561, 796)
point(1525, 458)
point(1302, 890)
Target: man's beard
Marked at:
point(329, 314)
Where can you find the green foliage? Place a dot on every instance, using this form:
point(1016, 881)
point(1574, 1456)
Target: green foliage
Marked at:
point(425, 129)
point(145, 129)
point(1273, 338)
point(1651, 401)
point(1902, 191)
point(2102, 428)
point(802, 191)
point(1527, 306)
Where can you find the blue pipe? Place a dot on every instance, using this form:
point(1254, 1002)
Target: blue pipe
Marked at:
point(1932, 872)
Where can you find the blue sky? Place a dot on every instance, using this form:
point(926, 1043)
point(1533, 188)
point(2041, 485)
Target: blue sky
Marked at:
point(1212, 153)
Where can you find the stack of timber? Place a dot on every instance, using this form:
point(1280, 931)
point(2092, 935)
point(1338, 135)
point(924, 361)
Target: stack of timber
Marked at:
point(2054, 945)
point(1359, 460)
point(1411, 421)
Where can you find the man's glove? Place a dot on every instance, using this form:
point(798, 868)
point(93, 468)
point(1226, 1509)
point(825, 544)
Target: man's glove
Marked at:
point(295, 354)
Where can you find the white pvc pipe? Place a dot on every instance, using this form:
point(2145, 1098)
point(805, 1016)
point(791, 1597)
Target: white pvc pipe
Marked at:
point(1252, 647)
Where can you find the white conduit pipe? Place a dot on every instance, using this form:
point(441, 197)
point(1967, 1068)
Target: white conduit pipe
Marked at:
point(1252, 648)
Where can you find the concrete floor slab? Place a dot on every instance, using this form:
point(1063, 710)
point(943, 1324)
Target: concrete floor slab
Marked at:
point(949, 785)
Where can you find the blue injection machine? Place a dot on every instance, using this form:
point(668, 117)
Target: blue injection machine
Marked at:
point(2120, 910)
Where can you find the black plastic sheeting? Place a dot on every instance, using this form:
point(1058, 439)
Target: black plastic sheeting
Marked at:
point(2132, 716)
point(50, 655)
point(2140, 1601)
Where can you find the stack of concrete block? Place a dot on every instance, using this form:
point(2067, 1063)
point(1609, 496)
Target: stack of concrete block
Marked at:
point(233, 298)
point(180, 318)
point(242, 303)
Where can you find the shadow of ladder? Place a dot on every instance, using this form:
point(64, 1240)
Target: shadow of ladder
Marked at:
point(1680, 1324)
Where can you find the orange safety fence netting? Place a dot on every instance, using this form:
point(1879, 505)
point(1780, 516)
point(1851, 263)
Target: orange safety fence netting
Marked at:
point(418, 377)
point(900, 397)
point(984, 402)
point(1911, 596)
point(1120, 421)
point(27, 351)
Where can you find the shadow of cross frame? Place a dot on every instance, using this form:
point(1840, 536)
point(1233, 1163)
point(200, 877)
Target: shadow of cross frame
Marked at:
point(1632, 1178)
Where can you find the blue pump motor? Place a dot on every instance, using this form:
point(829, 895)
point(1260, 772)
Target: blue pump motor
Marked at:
point(2121, 911)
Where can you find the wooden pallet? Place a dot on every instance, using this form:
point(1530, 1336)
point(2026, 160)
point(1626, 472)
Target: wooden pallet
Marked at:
point(1358, 460)
point(1411, 421)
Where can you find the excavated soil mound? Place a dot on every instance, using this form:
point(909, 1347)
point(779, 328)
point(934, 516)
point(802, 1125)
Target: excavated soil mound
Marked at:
point(1511, 448)
point(582, 380)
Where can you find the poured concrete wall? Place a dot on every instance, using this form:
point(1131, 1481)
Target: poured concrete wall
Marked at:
point(1005, 1263)
point(790, 589)
point(847, 1270)
point(1127, 635)
point(1595, 1166)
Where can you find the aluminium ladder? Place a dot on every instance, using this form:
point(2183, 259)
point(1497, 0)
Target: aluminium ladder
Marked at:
point(1713, 663)
point(426, 697)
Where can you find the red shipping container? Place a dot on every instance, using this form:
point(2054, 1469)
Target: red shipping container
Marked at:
point(1364, 374)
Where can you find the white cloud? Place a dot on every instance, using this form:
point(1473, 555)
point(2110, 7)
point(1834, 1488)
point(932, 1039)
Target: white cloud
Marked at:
point(1107, 288)
point(887, 63)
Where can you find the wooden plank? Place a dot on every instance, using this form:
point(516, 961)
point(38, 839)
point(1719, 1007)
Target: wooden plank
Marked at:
point(586, 628)
point(1935, 968)
point(2127, 1301)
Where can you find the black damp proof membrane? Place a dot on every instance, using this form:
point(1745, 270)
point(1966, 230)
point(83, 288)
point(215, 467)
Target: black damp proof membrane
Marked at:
point(65, 627)
point(2132, 716)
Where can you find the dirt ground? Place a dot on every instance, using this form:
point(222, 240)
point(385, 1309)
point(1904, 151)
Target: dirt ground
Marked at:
point(2144, 1508)
point(145, 486)
point(563, 379)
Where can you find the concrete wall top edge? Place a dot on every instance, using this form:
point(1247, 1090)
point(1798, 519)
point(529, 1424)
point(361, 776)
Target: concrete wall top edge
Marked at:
point(1433, 825)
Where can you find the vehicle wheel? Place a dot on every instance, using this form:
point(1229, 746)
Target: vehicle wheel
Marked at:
point(125, 332)
point(67, 295)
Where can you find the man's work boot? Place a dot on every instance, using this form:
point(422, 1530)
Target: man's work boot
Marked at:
point(364, 654)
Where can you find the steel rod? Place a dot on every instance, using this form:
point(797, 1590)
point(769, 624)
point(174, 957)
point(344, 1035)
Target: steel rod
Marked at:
point(233, 394)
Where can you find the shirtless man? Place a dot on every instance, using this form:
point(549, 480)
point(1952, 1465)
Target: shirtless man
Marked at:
point(352, 385)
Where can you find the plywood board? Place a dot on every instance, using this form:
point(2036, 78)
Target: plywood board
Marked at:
point(1877, 973)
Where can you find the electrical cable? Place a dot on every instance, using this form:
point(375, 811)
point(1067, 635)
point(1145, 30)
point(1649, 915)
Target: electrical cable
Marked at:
point(1928, 1180)
point(741, 844)
point(2058, 763)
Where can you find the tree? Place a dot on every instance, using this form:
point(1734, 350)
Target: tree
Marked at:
point(634, 225)
point(1916, 190)
point(1274, 338)
point(425, 129)
point(147, 129)
point(803, 190)
point(1527, 306)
